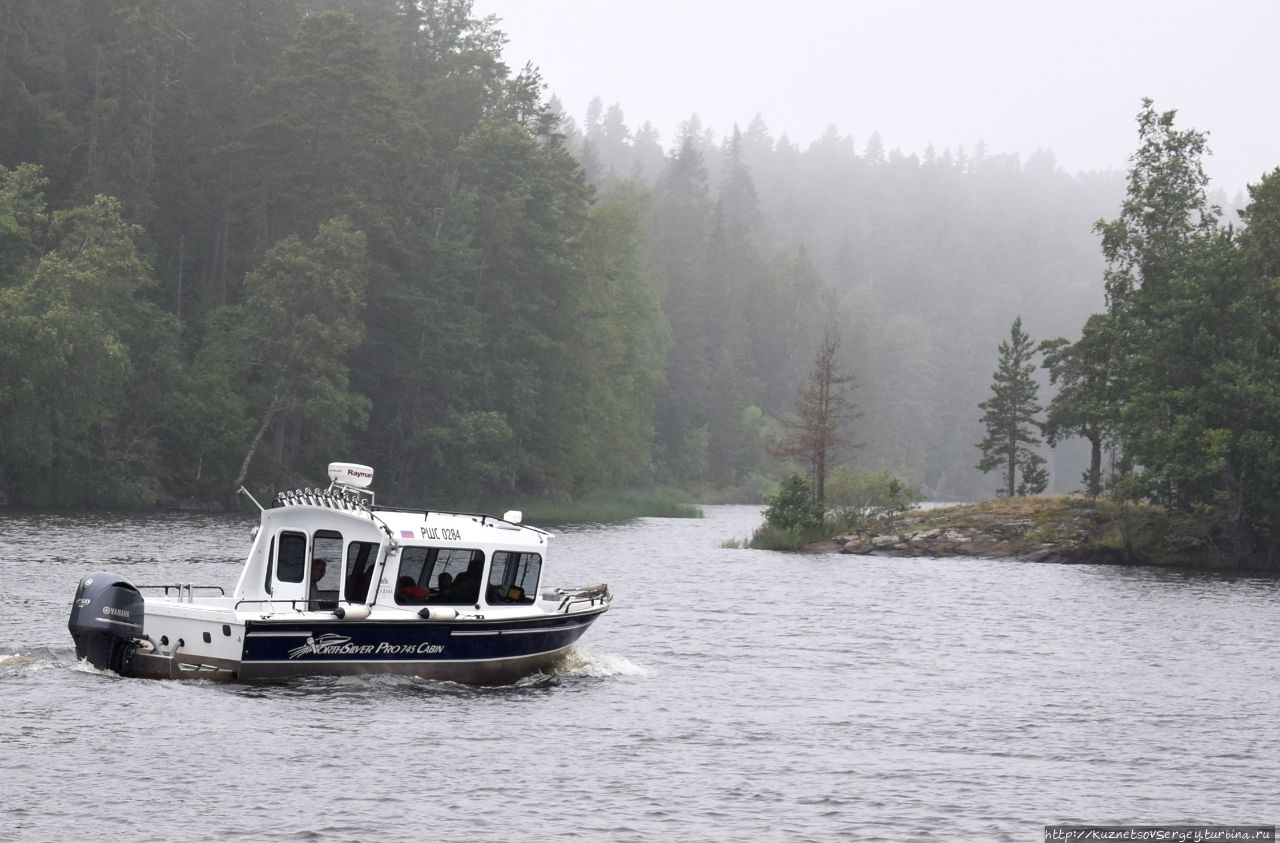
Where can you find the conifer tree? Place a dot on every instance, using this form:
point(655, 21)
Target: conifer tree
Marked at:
point(1010, 416)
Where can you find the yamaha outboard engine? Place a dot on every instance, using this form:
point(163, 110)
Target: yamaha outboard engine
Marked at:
point(106, 621)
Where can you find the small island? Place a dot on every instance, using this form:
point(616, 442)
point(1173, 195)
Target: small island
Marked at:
point(1044, 528)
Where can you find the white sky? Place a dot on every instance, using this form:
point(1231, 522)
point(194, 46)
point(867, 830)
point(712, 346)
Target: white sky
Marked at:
point(1019, 75)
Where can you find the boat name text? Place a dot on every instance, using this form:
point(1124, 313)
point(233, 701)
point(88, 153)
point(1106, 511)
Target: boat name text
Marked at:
point(337, 645)
point(441, 533)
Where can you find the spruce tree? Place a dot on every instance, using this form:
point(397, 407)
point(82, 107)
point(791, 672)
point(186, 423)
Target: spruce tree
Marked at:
point(1010, 416)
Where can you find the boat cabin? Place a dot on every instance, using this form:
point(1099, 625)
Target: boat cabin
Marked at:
point(318, 551)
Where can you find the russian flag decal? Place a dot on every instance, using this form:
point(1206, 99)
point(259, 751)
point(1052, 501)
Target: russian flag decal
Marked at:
point(407, 534)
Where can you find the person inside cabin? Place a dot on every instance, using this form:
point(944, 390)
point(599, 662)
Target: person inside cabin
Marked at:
point(408, 591)
point(466, 587)
point(444, 588)
point(321, 598)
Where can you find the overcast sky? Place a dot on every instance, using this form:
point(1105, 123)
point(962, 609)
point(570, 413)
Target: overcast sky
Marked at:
point(1019, 75)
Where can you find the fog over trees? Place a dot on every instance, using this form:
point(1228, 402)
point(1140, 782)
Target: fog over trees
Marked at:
point(925, 259)
point(250, 237)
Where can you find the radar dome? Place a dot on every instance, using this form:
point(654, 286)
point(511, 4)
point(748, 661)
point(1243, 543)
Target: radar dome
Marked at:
point(350, 474)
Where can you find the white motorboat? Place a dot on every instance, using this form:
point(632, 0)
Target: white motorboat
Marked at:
point(334, 584)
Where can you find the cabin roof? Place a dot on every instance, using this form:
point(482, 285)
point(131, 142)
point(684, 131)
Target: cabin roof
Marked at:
point(404, 526)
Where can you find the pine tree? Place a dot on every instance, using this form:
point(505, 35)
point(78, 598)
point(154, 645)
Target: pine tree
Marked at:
point(1010, 416)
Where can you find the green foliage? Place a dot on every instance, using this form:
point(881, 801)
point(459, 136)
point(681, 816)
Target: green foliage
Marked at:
point(343, 228)
point(607, 506)
point(861, 495)
point(86, 360)
point(1087, 403)
point(1010, 417)
point(792, 506)
point(482, 442)
point(23, 221)
point(769, 537)
point(330, 139)
point(285, 349)
point(1181, 371)
point(793, 520)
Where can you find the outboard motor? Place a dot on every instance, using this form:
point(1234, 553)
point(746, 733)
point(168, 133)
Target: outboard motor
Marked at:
point(106, 621)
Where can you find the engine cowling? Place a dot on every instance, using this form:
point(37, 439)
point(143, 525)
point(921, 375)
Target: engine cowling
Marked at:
point(106, 621)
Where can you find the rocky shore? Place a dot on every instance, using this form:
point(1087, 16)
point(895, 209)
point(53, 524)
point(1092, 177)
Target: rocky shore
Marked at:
point(1061, 529)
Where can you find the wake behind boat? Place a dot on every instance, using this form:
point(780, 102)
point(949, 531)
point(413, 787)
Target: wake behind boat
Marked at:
point(336, 585)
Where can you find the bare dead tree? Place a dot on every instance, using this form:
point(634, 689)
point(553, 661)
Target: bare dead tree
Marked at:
point(819, 429)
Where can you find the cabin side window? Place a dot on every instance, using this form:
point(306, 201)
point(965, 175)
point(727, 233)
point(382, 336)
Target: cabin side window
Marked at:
point(513, 578)
point(326, 553)
point(291, 557)
point(438, 575)
point(361, 557)
point(326, 573)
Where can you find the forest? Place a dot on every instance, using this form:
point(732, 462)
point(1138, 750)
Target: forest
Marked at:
point(239, 240)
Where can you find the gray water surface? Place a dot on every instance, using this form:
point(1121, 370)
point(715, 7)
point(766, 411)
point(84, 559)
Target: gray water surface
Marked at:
point(728, 694)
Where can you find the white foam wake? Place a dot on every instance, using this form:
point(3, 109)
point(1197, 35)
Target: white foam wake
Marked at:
point(15, 664)
point(580, 661)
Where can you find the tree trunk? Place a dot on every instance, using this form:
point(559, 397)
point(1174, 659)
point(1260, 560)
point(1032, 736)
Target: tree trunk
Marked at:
point(820, 479)
point(1095, 466)
point(253, 446)
point(1010, 472)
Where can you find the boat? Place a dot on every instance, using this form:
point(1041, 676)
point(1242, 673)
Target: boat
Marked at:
point(335, 584)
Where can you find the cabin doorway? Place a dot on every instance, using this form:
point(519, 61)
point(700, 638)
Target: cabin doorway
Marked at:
point(325, 570)
point(289, 571)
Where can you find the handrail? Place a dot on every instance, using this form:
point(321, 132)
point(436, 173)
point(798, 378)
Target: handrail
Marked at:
point(348, 499)
point(292, 601)
point(188, 588)
point(587, 594)
point(479, 517)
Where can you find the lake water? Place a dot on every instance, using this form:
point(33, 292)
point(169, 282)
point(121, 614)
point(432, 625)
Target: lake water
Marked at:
point(728, 694)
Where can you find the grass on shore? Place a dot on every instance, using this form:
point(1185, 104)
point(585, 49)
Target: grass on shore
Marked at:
point(769, 537)
point(1137, 530)
point(606, 506)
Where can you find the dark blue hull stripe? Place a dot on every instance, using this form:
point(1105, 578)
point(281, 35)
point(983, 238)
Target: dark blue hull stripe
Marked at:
point(327, 646)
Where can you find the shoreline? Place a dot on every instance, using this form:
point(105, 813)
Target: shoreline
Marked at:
point(1055, 529)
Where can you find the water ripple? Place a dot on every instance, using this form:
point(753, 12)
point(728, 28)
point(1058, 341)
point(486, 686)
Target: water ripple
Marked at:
point(728, 694)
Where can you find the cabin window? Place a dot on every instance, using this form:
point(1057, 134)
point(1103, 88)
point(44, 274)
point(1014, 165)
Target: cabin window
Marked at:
point(361, 557)
point(513, 578)
point(326, 554)
point(438, 575)
point(291, 557)
point(326, 551)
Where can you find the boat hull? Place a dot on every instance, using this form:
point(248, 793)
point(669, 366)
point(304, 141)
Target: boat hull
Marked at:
point(474, 652)
point(471, 652)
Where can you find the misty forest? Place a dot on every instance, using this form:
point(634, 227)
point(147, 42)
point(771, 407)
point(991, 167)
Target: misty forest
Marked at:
point(240, 240)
